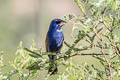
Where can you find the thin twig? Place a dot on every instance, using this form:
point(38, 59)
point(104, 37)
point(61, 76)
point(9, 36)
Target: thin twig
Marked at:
point(106, 26)
point(102, 51)
point(104, 10)
point(79, 54)
point(103, 21)
point(113, 43)
point(115, 47)
point(108, 63)
point(90, 54)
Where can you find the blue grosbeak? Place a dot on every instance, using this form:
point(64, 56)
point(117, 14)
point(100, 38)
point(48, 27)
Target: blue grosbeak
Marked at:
point(54, 42)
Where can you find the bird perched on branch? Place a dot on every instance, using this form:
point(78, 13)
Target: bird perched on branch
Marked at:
point(54, 42)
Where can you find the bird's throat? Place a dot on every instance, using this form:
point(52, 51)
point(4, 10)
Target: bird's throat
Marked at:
point(59, 30)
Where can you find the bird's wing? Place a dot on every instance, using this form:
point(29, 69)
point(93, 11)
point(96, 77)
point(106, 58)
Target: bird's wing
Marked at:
point(46, 42)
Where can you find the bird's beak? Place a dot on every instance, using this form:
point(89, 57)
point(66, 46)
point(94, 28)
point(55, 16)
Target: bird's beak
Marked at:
point(62, 23)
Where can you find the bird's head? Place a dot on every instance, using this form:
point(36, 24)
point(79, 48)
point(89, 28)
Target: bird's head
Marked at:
point(57, 24)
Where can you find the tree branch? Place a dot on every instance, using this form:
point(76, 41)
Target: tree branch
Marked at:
point(102, 51)
point(108, 63)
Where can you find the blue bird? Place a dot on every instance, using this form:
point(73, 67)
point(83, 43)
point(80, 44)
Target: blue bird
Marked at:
point(54, 43)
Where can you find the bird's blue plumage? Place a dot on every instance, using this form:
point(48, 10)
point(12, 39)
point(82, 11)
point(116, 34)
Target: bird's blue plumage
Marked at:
point(54, 39)
point(55, 36)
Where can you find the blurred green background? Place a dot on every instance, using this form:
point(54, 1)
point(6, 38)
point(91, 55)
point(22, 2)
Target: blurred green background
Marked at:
point(24, 20)
point(27, 20)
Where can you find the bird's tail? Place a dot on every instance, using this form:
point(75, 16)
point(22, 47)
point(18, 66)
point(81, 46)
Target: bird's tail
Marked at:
point(52, 65)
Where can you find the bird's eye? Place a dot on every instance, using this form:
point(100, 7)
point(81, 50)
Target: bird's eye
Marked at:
point(57, 22)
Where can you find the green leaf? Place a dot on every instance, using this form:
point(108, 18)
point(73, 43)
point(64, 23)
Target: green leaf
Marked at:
point(108, 19)
point(93, 37)
point(34, 54)
point(80, 6)
point(34, 66)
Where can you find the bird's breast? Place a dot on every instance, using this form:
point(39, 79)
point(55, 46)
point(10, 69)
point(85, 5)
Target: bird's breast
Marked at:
point(56, 37)
point(55, 40)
